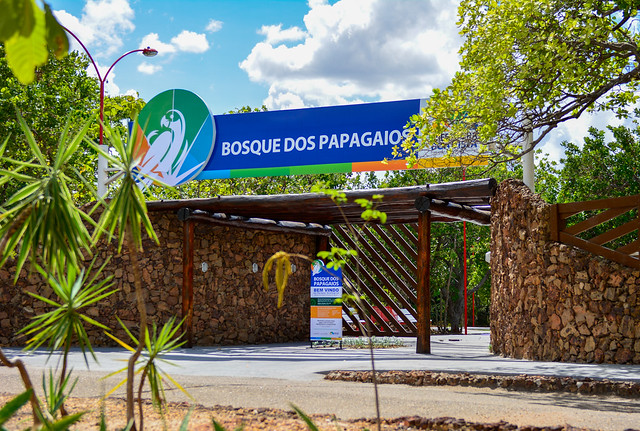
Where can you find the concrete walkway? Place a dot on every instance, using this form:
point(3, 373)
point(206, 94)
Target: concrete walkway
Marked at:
point(274, 375)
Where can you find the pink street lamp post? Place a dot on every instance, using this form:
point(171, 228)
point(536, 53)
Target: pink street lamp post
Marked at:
point(102, 162)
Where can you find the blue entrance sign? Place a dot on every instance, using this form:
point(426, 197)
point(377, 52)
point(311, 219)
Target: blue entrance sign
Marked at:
point(349, 138)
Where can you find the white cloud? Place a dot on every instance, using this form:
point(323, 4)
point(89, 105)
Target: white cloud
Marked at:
point(356, 50)
point(153, 41)
point(186, 41)
point(189, 41)
point(148, 68)
point(102, 25)
point(576, 130)
point(213, 26)
point(274, 34)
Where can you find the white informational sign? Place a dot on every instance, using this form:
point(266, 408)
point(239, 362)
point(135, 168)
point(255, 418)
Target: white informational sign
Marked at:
point(326, 313)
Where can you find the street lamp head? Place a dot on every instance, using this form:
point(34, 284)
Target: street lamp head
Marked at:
point(149, 52)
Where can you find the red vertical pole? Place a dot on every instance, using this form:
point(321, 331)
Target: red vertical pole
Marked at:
point(464, 254)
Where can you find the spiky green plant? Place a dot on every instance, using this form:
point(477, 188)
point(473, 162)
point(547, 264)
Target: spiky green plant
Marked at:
point(156, 345)
point(40, 221)
point(56, 393)
point(65, 322)
point(125, 213)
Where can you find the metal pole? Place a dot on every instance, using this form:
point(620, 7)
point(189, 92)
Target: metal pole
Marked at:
point(102, 161)
point(528, 164)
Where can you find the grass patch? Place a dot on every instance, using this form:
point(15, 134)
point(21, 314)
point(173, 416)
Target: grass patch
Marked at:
point(378, 342)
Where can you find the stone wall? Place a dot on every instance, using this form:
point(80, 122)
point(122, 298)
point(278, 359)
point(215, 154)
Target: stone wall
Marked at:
point(554, 302)
point(230, 304)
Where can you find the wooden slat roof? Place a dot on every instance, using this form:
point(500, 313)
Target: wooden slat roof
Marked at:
point(456, 201)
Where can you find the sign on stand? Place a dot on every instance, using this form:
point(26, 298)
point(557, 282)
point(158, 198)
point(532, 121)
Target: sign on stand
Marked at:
point(326, 311)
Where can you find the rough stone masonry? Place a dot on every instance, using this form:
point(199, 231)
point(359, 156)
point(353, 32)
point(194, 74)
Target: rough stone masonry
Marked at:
point(551, 301)
point(230, 303)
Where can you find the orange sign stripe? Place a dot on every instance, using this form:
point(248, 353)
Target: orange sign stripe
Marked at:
point(324, 312)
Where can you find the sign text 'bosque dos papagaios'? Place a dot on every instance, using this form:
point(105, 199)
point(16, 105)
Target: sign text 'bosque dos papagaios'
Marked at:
point(180, 140)
point(311, 140)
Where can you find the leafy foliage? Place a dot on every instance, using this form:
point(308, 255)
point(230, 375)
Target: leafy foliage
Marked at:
point(29, 33)
point(531, 65)
point(156, 345)
point(76, 290)
point(601, 169)
point(282, 262)
point(41, 220)
point(127, 209)
point(61, 93)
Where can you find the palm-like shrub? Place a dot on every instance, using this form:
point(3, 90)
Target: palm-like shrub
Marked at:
point(124, 215)
point(40, 221)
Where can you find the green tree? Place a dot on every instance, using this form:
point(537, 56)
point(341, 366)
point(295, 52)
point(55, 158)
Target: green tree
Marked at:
point(597, 169)
point(601, 169)
point(60, 94)
point(531, 65)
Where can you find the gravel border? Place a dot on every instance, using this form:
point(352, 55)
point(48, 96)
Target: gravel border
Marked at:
point(522, 382)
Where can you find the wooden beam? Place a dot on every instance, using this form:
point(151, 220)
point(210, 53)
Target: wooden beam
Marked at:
point(452, 210)
point(398, 203)
point(187, 280)
point(613, 255)
point(219, 219)
point(424, 285)
point(575, 207)
point(596, 220)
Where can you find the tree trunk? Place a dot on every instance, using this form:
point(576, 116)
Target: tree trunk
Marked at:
point(35, 405)
point(142, 310)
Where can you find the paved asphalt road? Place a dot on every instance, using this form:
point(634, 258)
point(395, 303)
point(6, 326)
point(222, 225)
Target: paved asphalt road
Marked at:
point(275, 375)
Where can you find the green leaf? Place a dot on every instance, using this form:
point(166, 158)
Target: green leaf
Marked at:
point(26, 11)
point(14, 405)
point(57, 40)
point(305, 418)
point(25, 53)
point(64, 423)
point(9, 23)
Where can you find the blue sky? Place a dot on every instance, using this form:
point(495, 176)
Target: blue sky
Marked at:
point(280, 53)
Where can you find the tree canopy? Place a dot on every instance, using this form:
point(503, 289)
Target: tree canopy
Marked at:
point(61, 93)
point(599, 168)
point(530, 66)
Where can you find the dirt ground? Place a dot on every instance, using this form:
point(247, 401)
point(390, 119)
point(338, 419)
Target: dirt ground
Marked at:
point(200, 419)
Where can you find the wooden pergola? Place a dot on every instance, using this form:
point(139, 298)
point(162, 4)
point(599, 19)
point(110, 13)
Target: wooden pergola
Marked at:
point(311, 213)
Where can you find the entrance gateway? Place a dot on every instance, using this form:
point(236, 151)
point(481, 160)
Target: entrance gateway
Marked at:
point(179, 140)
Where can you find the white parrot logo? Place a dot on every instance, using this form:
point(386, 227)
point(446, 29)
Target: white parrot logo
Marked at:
point(167, 151)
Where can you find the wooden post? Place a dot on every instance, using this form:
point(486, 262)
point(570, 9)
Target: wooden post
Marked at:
point(187, 280)
point(554, 222)
point(424, 285)
point(322, 244)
